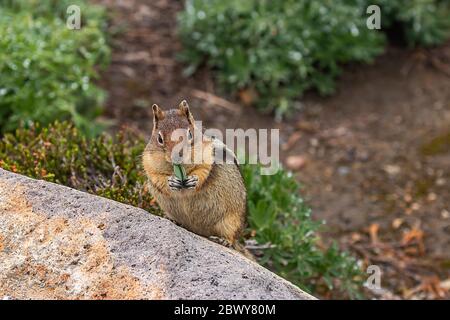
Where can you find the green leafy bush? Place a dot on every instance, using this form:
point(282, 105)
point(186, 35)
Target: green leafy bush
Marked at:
point(278, 49)
point(112, 168)
point(418, 22)
point(47, 69)
point(91, 15)
point(280, 219)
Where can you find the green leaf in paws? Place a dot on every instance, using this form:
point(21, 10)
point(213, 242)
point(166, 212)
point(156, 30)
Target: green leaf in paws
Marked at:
point(179, 172)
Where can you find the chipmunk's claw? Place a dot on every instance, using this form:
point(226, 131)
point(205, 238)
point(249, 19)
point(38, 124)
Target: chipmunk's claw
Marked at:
point(221, 241)
point(191, 182)
point(175, 184)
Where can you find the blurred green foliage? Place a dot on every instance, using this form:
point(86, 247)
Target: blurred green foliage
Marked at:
point(277, 48)
point(111, 167)
point(417, 22)
point(47, 70)
point(280, 219)
point(280, 49)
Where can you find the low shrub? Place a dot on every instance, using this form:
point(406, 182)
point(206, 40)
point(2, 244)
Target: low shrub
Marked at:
point(47, 70)
point(60, 153)
point(416, 22)
point(111, 167)
point(280, 220)
point(273, 51)
point(277, 49)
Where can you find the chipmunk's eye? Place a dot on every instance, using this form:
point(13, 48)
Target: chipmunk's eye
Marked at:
point(160, 139)
point(189, 134)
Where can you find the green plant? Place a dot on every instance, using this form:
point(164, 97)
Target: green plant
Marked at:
point(90, 14)
point(277, 49)
point(47, 70)
point(60, 153)
point(111, 167)
point(279, 218)
point(418, 22)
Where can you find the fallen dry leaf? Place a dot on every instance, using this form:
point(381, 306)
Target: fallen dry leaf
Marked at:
point(445, 284)
point(248, 96)
point(414, 235)
point(373, 232)
point(430, 286)
point(215, 100)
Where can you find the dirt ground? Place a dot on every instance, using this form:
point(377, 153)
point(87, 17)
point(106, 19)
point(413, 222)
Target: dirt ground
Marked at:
point(374, 158)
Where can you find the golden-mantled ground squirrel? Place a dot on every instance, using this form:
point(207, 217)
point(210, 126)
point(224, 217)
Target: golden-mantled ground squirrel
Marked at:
point(211, 200)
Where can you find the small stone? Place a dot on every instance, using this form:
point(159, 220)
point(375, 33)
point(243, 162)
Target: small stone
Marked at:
point(431, 197)
point(343, 171)
point(445, 214)
point(340, 131)
point(407, 197)
point(445, 284)
point(295, 163)
point(392, 169)
point(314, 142)
point(397, 223)
point(328, 172)
point(362, 155)
point(355, 236)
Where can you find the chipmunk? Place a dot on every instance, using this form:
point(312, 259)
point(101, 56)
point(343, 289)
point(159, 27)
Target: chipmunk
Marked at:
point(211, 201)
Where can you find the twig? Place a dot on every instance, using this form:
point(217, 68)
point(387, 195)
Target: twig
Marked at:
point(260, 247)
point(253, 245)
point(213, 99)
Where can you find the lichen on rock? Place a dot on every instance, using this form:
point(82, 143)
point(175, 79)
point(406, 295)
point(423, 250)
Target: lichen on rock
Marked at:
point(59, 243)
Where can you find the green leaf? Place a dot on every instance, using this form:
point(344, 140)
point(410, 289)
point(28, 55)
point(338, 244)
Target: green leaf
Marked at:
point(179, 172)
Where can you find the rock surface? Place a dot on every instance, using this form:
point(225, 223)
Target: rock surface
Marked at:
point(59, 243)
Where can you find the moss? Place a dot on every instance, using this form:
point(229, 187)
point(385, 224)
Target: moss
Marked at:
point(437, 145)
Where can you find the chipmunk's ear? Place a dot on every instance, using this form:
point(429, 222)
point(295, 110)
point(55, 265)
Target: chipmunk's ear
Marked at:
point(158, 114)
point(183, 108)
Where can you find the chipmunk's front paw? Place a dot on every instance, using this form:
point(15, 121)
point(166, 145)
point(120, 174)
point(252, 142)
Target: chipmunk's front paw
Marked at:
point(191, 182)
point(175, 184)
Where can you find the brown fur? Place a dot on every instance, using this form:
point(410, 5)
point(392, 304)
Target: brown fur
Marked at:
point(216, 207)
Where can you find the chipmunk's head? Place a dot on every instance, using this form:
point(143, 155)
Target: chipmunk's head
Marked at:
point(173, 131)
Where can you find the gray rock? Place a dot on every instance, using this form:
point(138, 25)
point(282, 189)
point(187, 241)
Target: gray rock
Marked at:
point(60, 243)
